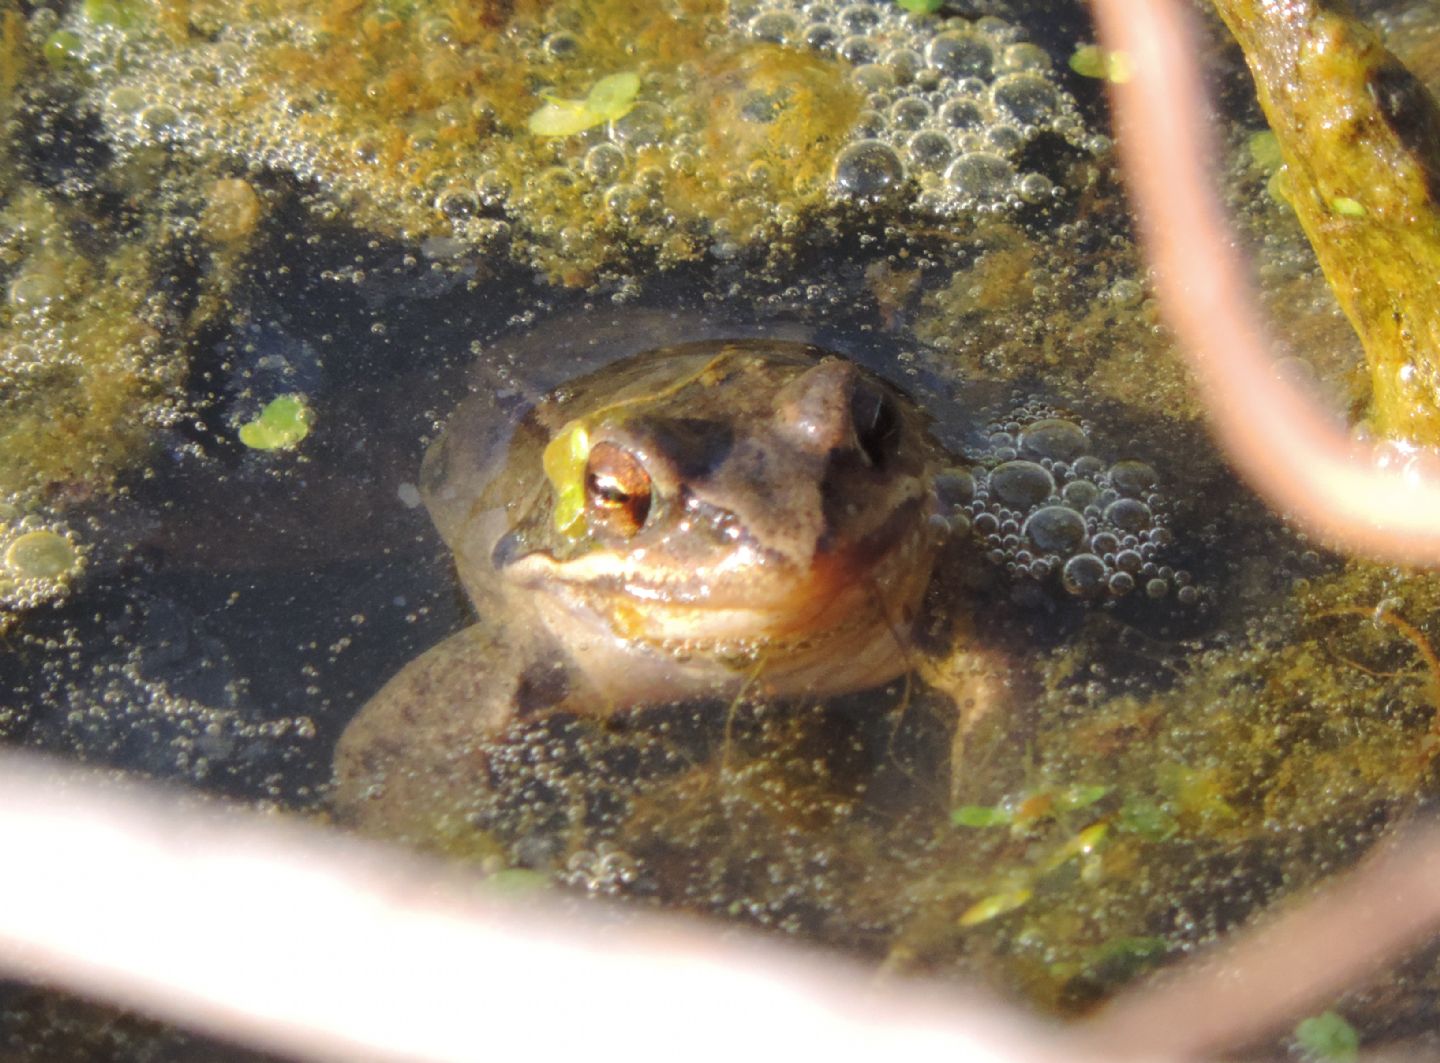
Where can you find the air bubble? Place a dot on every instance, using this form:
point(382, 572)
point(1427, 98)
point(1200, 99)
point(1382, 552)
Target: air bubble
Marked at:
point(875, 79)
point(1056, 529)
point(954, 487)
point(604, 162)
point(777, 27)
point(1054, 438)
point(868, 169)
point(1027, 98)
point(160, 118)
point(910, 113)
point(1132, 478)
point(821, 36)
point(562, 45)
point(1025, 56)
point(1121, 584)
point(1129, 515)
point(960, 55)
point(1080, 493)
point(858, 18)
point(929, 150)
point(858, 49)
point(1129, 561)
point(1005, 139)
point(644, 126)
point(906, 63)
point(1035, 188)
point(869, 125)
point(457, 203)
point(962, 114)
point(1083, 575)
point(1022, 484)
point(980, 175)
point(40, 555)
point(1156, 588)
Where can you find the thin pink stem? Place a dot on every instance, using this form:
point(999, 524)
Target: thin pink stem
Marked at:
point(1385, 502)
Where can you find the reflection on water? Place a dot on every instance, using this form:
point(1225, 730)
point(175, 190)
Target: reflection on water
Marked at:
point(207, 208)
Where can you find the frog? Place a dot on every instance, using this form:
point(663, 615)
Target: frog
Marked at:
point(712, 518)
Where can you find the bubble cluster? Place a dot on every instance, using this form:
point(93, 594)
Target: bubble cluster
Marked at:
point(38, 560)
point(606, 870)
point(950, 102)
point(418, 123)
point(1044, 506)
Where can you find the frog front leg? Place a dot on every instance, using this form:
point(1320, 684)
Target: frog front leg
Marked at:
point(411, 763)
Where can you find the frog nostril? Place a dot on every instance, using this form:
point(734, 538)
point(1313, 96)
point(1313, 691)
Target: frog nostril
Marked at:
point(877, 424)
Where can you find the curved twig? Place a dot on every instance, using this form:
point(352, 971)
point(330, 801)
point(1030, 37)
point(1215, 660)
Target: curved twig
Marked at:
point(1382, 501)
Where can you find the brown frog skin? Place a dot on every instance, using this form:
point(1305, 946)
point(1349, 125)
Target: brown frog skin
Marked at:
point(688, 523)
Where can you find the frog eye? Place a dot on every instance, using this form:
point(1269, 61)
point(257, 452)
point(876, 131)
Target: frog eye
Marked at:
point(617, 490)
point(877, 423)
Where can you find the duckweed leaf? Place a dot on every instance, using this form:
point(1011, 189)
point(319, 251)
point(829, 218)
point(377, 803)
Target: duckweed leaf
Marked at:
point(1327, 1038)
point(610, 99)
point(1092, 61)
point(980, 816)
point(281, 424)
point(1078, 796)
point(1264, 150)
point(987, 908)
point(614, 96)
point(561, 118)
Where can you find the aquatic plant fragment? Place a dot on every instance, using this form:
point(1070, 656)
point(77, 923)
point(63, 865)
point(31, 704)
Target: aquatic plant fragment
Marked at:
point(1360, 139)
point(610, 99)
point(1327, 1038)
point(281, 424)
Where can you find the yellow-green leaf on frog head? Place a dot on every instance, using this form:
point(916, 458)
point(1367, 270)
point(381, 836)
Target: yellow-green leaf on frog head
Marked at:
point(612, 97)
point(564, 464)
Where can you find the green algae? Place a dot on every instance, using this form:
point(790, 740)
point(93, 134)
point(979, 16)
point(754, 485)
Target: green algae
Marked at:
point(1360, 137)
point(428, 118)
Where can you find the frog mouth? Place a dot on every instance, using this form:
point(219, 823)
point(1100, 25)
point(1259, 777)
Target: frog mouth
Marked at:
point(752, 596)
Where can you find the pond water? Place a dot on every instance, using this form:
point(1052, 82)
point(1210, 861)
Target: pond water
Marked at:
point(1112, 751)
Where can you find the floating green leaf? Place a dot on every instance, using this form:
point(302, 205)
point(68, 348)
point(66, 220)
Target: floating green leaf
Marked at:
point(62, 48)
point(613, 96)
point(1079, 795)
point(1264, 150)
point(980, 816)
point(987, 908)
point(1327, 1038)
point(1142, 816)
point(921, 7)
point(282, 423)
point(610, 99)
point(1092, 61)
point(561, 118)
